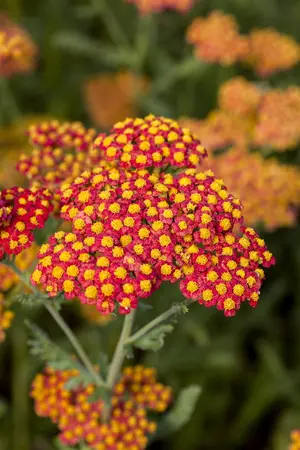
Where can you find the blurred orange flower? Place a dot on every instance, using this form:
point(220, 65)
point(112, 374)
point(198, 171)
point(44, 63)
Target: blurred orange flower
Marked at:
point(217, 40)
point(91, 314)
point(271, 51)
point(295, 440)
point(220, 129)
point(110, 98)
point(239, 96)
point(17, 50)
point(152, 6)
point(278, 119)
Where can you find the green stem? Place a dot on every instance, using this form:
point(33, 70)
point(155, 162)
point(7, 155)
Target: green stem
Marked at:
point(120, 352)
point(175, 309)
point(20, 387)
point(113, 27)
point(177, 72)
point(8, 105)
point(142, 40)
point(64, 327)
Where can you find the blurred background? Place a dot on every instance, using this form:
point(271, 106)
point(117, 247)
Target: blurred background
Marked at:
point(99, 62)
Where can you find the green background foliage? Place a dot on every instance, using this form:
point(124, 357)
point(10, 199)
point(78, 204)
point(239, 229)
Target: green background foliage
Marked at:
point(248, 367)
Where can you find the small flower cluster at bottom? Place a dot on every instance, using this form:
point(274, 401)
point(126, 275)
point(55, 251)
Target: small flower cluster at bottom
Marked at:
point(295, 440)
point(79, 419)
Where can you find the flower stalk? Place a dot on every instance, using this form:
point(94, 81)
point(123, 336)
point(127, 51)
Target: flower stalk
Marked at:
point(62, 324)
point(173, 311)
point(120, 352)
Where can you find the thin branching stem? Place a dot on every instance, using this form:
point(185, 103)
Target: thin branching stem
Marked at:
point(63, 325)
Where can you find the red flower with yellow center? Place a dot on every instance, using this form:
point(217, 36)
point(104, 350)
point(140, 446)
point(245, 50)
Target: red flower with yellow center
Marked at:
point(150, 142)
point(133, 230)
point(61, 152)
point(21, 212)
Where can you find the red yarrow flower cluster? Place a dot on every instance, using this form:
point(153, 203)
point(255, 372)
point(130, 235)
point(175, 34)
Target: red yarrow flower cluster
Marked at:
point(17, 50)
point(295, 440)
point(21, 212)
point(80, 420)
point(154, 6)
point(133, 230)
point(150, 142)
point(216, 39)
point(61, 152)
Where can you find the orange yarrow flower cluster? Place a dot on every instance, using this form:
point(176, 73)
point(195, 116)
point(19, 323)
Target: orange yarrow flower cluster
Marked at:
point(79, 420)
point(216, 39)
point(154, 6)
point(239, 96)
point(110, 98)
point(17, 50)
point(295, 440)
point(250, 117)
point(61, 152)
point(150, 142)
point(271, 51)
point(133, 230)
point(278, 119)
point(269, 191)
point(21, 212)
point(220, 129)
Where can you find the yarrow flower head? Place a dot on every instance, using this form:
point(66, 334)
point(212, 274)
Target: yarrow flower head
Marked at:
point(278, 119)
point(295, 440)
point(8, 279)
point(271, 51)
point(216, 39)
point(239, 96)
point(153, 6)
point(80, 420)
point(150, 142)
point(21, 212)
point(110, 98)
point(61, 152)
point(269, 191)
point(133, 230)
point(221, 129)
point(17, 50)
